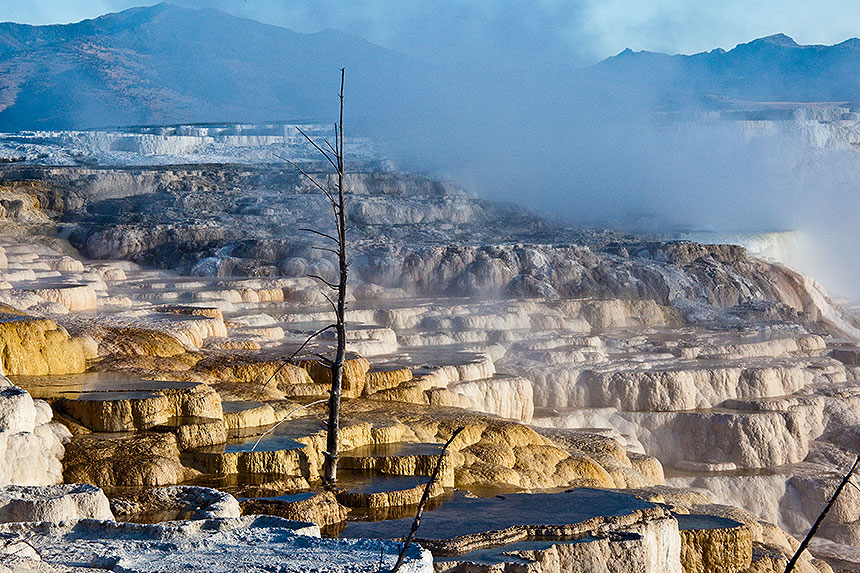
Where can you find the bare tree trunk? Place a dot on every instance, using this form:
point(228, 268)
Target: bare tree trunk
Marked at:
point(335, 156)
point(333, 431)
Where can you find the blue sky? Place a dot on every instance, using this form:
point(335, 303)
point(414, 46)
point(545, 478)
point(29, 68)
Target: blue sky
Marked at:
point(581, 31)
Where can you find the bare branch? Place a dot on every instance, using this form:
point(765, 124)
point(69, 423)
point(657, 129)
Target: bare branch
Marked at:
point(284, 419)
point(325, 282)
point(333, 305)
point(318, 148)
point(790, 566)
point(293, 355)
point(330, 147)
point(324, 360)
point(320, 233)
point(417, 522)
point(318, 248)
point(329, 476)
point(316, 183)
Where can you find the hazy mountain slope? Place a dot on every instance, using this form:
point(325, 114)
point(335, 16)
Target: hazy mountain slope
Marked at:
point(164, 64)
point(168, 64)
point(771, 69)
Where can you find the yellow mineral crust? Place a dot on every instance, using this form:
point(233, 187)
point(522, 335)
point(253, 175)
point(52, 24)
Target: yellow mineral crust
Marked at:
point(37, 346)
point(354, 372)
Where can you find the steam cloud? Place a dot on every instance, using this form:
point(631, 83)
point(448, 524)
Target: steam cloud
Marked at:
point(507, 110)
point(568, 146)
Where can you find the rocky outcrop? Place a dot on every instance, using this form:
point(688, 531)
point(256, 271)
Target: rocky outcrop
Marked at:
point(64, 502)
point(508, 397)
point(321, 508)
point(721, 536)
point(72, 297)
point(646, 547)
point(143, 459)
point(687, 276)
point(710, 543)
point(37, 346)
point(495, 453)
point(355, 369)
point(708, 359)
point(240, 415)
point(175, 502)
point(255, 373)
point(389, 498)
point(540, 532)
point(116, 410)
point(160, 216)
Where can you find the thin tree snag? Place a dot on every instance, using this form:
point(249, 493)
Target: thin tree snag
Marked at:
point(331, 454)
point(336, 160)
point(790, 566)
point(424, 497)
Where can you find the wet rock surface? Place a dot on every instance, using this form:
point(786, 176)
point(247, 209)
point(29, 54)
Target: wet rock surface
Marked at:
point(580, 527)
point(321, 508)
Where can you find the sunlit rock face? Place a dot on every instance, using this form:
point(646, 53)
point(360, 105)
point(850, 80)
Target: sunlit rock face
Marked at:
point(714, 544)
point(321, 508)
point(507, 397)
point(34, 346)
point(71, 297)
point(112, 410)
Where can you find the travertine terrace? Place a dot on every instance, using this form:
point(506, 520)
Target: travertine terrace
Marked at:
point(664, 384)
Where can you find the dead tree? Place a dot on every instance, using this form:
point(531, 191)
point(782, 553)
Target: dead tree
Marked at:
point(416, 523)
point(335, 157)
point(814, 529)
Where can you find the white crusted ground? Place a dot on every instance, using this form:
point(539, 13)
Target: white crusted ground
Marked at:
point(228, 143)
point(63, 502)
point(701, 399)
point(248, 544)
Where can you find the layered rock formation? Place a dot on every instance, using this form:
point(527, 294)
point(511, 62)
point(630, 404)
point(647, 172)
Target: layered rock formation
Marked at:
point(36, 346)
point(626, 354)
point(162, 216)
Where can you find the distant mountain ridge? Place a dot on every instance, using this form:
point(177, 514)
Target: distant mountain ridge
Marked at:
point(167, 65)
point(770, 69)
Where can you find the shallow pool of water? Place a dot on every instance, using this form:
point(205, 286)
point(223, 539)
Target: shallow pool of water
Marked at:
point(465, 515)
